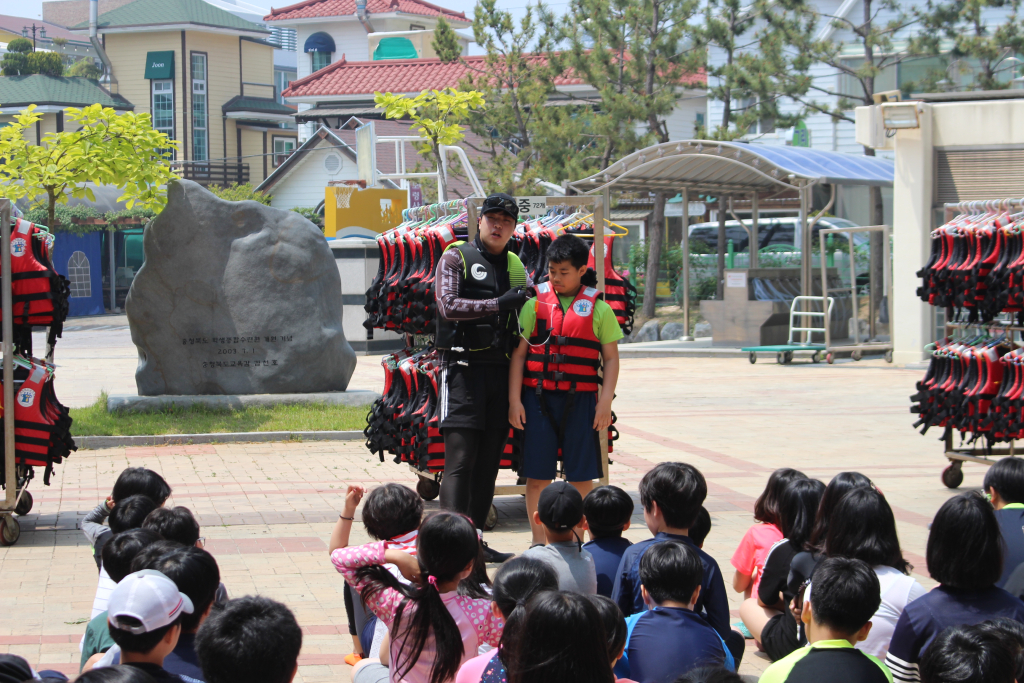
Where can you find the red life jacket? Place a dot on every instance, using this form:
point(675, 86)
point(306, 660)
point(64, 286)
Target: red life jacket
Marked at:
point(618, 291)
point(32, 276)
point(571, 352)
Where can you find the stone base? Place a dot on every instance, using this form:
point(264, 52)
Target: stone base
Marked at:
point(148, 404)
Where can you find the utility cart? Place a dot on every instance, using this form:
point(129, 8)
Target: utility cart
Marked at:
point(784, 352)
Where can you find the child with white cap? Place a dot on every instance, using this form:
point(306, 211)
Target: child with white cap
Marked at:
point(144, 617)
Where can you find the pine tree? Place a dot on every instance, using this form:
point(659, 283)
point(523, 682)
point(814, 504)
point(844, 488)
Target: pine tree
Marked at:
point(987, 36)
point(446, 42)
point(636, 53)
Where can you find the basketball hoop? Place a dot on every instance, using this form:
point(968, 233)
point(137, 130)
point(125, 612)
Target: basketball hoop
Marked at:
point(342, 194)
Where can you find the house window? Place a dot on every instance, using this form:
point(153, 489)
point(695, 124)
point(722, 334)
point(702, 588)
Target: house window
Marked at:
point(761, 127)
point(283, 147)
point(282, 79)
point(200, 134)
point(163, 109)
point(78, 274)
point(319, 60)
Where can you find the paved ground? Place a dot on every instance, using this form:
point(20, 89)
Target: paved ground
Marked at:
point(267, 509)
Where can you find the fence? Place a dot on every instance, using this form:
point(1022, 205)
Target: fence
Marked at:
point(212, 172)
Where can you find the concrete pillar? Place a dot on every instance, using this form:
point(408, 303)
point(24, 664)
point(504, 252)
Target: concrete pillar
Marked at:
point(912, 222)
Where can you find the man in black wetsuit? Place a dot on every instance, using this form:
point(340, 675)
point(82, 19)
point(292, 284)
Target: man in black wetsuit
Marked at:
point(479, 287)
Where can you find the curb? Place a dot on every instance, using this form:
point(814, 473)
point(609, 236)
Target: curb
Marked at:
point(131, 403)
point(96, 442)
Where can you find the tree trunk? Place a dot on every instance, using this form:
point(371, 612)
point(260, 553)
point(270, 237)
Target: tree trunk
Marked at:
point(655, 236)
point(51, 207)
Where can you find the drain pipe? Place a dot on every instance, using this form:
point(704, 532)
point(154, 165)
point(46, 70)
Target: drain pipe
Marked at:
point(108, 68)
point(361, 15)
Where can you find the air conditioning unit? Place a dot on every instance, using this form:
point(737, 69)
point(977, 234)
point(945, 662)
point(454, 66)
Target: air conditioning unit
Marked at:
point(871, 130)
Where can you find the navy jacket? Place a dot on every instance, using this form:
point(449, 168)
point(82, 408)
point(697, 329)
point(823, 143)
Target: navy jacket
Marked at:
point(607, 554)
point(712, 604)
point(1011, 525)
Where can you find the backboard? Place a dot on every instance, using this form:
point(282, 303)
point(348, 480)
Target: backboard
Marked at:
point(366, 154)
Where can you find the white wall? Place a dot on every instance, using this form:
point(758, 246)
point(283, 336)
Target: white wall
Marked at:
point(304, 185)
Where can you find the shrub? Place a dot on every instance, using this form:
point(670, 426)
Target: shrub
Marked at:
point(239, 193)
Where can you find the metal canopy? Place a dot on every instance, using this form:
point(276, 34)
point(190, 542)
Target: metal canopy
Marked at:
point(729, 167)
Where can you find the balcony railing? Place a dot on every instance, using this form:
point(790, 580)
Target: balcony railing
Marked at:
point(212, 172)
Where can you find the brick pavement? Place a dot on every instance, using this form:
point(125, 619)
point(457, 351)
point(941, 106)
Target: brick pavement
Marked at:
point(267, 509)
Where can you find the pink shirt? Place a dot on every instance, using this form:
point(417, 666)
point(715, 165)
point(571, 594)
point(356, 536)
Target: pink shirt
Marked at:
point(753, 550)
point(477, 623)
point(472, 670)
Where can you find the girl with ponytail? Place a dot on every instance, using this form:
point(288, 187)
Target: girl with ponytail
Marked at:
point(515, 583)
point(433, 630)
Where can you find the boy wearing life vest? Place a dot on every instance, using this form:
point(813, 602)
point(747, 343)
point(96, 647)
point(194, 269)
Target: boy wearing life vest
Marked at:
point(569, 333)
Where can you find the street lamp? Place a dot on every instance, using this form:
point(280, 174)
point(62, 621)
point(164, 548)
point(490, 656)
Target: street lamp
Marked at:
point(34, 28)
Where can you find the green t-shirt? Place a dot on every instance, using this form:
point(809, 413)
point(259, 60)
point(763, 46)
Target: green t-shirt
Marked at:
point(606, 327)
point(97, 637)
point(833, 660)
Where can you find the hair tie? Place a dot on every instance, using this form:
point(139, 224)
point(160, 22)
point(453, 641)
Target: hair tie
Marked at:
point(521, 602)
point(432, 580)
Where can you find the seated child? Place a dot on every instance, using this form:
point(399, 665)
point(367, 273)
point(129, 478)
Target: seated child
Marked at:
point(391, 513)
point(1011, 633)
point(844, 595)
point(1004, 483)
point(614, 628)
point(118, 553)
point(672, 494)
point(517, 580)
point(559, 509)
point(175, 524)
point(250, 639)
point(701, 528)
point(967, 654)
point(607, 509)
point(552, 388)
point(131, 481)
point(433, 629)
point(128, 513)
point(670, 638)
point(144, 616)
point(748, 560)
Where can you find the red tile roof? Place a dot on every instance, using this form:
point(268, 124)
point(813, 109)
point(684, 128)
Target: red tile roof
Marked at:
point(410, 75)
point(333, 8)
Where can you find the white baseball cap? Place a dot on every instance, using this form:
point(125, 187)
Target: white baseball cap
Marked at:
point(148, 596)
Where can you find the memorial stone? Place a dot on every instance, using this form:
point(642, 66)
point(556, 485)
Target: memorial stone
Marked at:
point(236, 298)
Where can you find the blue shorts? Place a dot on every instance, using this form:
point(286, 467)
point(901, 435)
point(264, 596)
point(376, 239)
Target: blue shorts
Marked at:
point(580, 454)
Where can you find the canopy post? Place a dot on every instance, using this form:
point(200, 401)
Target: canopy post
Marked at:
point(686, 266)
point(805, 253)
point(755, 246)
point(720, 290)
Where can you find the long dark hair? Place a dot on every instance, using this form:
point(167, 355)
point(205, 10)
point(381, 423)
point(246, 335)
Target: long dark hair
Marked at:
point(840, 485)
point(798, 508)
point(446, 543)
point(563, 641)
point(473, 585)
point(766, 507)
point(864, 528)
point(516, 582)
point(965, 546)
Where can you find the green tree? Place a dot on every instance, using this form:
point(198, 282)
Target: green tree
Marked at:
point(46, 63)
point(99, 145)
point(239, 193)
point(436, 116)
point(636, 53)
point(20, 46)
point(446, 42)
point(15, 62)
point(983, 50)
point(85, 68)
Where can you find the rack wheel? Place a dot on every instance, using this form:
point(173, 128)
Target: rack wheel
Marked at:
point(830, 357)
point(753, 358)
point(427, 488)
point(492, 519)
point(24, 504)
point(10, 530)
point(888, 356)
point(855, 355)
point(953, 475)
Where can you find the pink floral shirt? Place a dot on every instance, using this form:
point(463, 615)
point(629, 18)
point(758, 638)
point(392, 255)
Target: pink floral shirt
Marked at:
point(474, 617)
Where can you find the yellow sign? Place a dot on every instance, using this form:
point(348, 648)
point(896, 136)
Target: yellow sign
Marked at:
point(350, 210)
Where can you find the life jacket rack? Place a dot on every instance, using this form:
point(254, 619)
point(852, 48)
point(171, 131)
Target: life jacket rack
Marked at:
point(974, 384)
point(36, 427)
point(404, 422)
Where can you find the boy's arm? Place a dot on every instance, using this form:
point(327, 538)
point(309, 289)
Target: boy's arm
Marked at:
point(343, 527)
point(622, 589)
point(716, 604)
point(516, 413)
point(603, 414)
point(92, 525)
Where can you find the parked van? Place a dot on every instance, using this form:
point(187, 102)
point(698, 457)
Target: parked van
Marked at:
point(778, 232)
